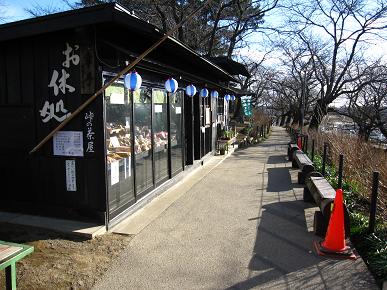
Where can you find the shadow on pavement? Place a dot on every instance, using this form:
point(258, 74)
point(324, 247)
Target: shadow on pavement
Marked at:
point(282, 245)
point(278, 180)
point(277, 159)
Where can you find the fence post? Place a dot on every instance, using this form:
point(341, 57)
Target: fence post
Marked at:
point(341, 167)
point(374, 198)
point(312, 150)
point(324, 158)
point(305, 149)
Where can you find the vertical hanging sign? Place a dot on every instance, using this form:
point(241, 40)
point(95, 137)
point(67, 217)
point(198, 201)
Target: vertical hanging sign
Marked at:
point(89, 117)
point(60, 86)
point(71, 179)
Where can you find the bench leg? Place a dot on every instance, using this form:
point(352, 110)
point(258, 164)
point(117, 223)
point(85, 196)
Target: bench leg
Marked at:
point(320, 224)
point(307, 196)
point(10, 277)
point(301, 178)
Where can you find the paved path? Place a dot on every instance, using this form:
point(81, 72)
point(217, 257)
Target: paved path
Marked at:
point(243, 226)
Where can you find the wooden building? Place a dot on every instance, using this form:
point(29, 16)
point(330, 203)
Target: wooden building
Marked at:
point(123, 145)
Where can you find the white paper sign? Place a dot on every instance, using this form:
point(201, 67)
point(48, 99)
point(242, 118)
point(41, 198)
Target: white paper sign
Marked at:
point(114, 172)
point(178, 110)
point(68, 143)
point(208, 116)
point(114, 141)
point(116, 98)
point(203, 129)
point(158, 108)
point(127, 166)
point(71, 178)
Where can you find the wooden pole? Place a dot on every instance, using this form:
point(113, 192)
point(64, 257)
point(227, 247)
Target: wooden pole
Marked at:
point(341, 168)
point(324, 161)
point(125, 70)
point(374, 199)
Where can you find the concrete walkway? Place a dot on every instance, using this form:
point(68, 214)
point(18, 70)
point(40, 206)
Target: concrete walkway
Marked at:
point(243, 226)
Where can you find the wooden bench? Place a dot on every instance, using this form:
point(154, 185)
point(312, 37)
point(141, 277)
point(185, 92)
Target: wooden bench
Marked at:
point(302, 161)
point(10, 253)
point(319, 191)
point(291, 148)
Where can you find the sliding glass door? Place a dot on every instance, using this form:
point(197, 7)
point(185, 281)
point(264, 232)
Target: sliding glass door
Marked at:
point(143, 140)
point(160, 134)
point(118, 145)
point(176, 127)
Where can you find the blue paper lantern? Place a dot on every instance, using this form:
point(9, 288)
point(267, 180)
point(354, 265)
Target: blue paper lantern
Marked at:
point(232, 98)
point(171, 85)
point(214, 94)
point(190, 90)
point(204, 93)
point(227, 97)
point(132, 81)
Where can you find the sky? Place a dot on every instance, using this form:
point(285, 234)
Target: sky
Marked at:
point(14, 9)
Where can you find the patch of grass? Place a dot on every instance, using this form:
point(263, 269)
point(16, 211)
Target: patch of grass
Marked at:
point(372, 247)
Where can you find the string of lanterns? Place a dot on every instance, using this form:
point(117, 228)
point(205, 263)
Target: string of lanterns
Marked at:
point(133, 81)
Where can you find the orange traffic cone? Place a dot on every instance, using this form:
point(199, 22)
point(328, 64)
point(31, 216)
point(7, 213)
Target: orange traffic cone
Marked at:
point(299, 143)
point(334, 244)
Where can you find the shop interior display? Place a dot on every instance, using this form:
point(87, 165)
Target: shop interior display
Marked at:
point(143, 140)
point(161, 140)
point(118, 142)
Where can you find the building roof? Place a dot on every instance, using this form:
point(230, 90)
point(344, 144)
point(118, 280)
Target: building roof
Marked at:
point(231, 66)
point(123, 23)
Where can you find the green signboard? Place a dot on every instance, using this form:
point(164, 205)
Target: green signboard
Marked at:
point(246, 105)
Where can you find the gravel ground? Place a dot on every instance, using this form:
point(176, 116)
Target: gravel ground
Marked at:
point(59, 261)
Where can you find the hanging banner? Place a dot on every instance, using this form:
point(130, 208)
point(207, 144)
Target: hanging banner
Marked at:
point(246, 105)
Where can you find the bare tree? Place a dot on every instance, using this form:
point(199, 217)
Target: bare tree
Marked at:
point(219, 29)
point(335, 32)
point(2, 11)
point(368, 107)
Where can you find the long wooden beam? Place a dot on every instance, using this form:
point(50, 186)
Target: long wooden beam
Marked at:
point(125, 70)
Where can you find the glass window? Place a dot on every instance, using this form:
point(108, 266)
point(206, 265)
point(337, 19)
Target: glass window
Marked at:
point(143, 141)
point(160, 134)
point(176, 102)
point(118, 144)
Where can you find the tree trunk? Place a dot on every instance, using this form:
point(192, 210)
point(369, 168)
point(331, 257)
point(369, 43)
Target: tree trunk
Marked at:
point(319, 111)
point(296, 119)
point(364, 133)
point(283, 119)
point(288, 119)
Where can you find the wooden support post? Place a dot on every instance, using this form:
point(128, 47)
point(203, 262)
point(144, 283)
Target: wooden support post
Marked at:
point(341, 167)
point(324, 159)
point(306, 144)
point(312, 150)
point(374, 198)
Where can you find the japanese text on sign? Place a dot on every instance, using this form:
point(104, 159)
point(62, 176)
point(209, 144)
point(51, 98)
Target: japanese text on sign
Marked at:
point(68, 143)
point(71, 179)
point(59, 83)
point(89, 116)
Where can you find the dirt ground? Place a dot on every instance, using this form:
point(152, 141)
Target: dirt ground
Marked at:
point(60, 261)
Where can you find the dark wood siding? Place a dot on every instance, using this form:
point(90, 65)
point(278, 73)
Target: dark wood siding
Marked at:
point(38, 182)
